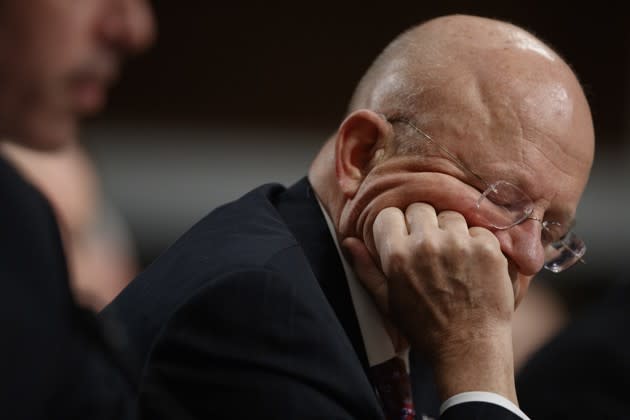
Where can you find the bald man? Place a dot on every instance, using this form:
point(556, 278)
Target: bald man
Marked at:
point(453, 179)
point(57, 59)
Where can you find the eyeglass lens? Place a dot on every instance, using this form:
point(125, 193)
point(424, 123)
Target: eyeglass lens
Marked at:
point(564, 253)
point(503, 205)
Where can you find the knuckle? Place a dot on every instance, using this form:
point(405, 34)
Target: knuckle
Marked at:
point(450, 213)
point(429, 246)
point(488, 248)
point(419, 206)
point(478, 231)
point(483, 235)
point(459, 246)
point(389, 211)
point(396, 260)
point(386, 215)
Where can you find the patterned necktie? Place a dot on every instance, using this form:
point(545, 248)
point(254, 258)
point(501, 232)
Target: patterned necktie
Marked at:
point(394, 389)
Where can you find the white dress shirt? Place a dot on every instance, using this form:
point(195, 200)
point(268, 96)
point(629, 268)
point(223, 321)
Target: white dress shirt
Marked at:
point(378, 343)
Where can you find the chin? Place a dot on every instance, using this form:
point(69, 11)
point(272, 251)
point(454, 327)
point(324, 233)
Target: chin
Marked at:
point(49, 135)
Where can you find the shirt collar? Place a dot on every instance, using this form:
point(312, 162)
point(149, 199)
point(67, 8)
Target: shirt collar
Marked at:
point(378, 344)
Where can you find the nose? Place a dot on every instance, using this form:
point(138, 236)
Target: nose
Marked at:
point(129, 24)
point(522, 245)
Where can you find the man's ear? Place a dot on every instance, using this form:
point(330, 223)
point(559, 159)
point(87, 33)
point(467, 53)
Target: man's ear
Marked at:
point(359, 137)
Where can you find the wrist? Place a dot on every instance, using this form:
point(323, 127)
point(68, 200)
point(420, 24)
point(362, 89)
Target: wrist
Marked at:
point(480, 363)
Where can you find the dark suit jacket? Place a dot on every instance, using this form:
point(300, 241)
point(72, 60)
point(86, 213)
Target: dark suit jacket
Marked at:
point(249, 315)
point(584, 372)
point(52, 361)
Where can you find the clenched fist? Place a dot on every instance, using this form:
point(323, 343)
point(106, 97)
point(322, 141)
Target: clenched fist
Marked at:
point(447, 288)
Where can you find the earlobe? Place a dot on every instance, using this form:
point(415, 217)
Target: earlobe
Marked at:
point(359, 138)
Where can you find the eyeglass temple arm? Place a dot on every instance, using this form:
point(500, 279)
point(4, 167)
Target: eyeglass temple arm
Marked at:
point(544, 226)
point(440, 146)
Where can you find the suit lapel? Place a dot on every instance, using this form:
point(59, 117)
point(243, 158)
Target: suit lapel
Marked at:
point(301, 212)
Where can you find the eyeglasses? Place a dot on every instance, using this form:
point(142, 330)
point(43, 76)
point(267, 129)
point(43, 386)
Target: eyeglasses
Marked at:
point(503, 205)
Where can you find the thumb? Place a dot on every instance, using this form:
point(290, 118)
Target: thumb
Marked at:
point(368, 273)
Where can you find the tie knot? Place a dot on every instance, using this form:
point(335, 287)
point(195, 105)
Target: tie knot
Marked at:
point(392, 369)
point(394, 389)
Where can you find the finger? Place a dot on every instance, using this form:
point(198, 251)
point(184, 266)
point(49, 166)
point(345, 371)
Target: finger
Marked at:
point(521, 286)
point(492, 245)
point(452, 221)
point(367, 271)
point(420, 217)
point(390, 235)
point(516, 288)
point(486, 243)
point(483, 233)
point(390, 231)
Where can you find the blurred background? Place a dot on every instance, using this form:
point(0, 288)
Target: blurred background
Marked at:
point(235, 94)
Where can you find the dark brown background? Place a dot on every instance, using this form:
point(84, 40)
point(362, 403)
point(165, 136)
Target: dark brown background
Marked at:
point(296, 63)
point(241, 93)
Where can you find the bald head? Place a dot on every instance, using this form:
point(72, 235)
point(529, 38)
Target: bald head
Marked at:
point(503, 103)
point(447, 49)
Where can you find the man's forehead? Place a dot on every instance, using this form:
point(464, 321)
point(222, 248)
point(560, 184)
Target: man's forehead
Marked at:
point(544, 158)
point(554, 187)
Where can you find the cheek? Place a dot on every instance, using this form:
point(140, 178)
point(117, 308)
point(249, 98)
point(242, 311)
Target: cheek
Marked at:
point(441, 191)
point(58, 33)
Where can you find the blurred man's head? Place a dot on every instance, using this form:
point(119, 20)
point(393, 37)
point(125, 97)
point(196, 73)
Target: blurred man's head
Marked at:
point(499, 105)
point(57, 60)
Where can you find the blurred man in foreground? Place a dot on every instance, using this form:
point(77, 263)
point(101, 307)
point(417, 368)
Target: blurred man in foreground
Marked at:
point(57, 60)
point(453, 180)
point(97, 244)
